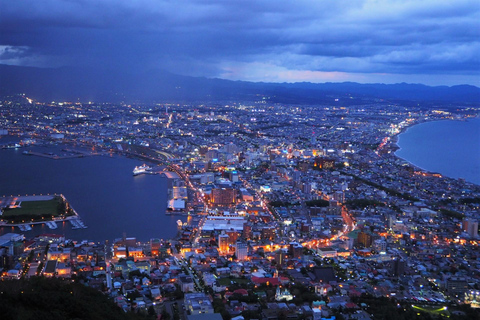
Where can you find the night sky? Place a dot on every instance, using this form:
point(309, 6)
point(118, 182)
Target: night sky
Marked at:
point(433, 42)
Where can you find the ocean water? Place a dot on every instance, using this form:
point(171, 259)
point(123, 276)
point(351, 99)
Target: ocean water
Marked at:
point(102, 189)
point(449, 147)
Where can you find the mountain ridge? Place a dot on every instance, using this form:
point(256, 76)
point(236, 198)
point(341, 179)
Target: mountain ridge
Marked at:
point(103, 85)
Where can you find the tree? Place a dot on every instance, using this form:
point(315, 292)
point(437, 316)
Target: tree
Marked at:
point(151, 311)
point(165, 314)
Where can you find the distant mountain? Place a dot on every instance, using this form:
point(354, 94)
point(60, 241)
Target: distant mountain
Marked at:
point(102, 85)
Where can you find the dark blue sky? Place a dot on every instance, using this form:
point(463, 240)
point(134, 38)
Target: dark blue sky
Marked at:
point(430, 41)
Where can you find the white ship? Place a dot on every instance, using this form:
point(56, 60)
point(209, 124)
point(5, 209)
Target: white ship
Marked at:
point(141, 169)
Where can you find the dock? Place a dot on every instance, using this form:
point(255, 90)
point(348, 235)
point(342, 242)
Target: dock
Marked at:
point(52, 224)
point(13, 201)
point(24, 227)
point(71, 154)
point(77, 224)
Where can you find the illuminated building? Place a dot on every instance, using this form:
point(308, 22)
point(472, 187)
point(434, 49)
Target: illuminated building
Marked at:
point(380, 245)
point(241, 250)
point(327, 252)
point(457, 286)
point(247, 231)
point(265, 189)
point(60, 255)
point(211, 155)
point(296, 250)
point(232, 236)
point(219, 223)
point(471, 227)
point(280, 257)
point(49, 270)
point(224, 196)
point(180, 193)
point(198, 303)
point(365, 239)
point(154, 246)
point(268, 232)
point(472, 297)
point(223, 242)
point(324, 163)
point(283, 295)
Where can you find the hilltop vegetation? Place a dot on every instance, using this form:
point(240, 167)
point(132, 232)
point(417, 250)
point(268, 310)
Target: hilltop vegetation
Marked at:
point(51, 298)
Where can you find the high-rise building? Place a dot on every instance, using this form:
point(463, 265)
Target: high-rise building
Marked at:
point(232, 236)
point(268, 232)
point(247, 231)
point(398, 267)
point(154, 246)
point(295, 250)
point(380, 245)
point(365, 239)
point(241, 250)
point(280, 257)
point(296, 175)
point(307, 187)
point(339, 196)
point(457, 286)
point(211, 155)
point(470, 226)
point(223, 242)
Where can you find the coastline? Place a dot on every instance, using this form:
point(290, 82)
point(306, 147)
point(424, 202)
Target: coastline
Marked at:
point(105, 207)
point(395, 147)
point(71, 216)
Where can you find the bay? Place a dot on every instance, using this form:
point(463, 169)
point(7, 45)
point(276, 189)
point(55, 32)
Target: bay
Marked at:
point(102, 189)
point(449, 147)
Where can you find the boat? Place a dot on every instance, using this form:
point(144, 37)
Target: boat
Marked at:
point(141, 169)
point(179, 223)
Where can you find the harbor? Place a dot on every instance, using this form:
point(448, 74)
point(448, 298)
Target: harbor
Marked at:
point(102, 190)
point(68, 154)
point(18, 203)
point(76, 223)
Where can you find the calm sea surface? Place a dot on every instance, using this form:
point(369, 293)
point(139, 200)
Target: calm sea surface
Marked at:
point(451, 148)
point(102, 189)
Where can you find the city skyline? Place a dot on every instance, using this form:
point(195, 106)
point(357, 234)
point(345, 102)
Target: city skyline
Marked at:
point(368, 42)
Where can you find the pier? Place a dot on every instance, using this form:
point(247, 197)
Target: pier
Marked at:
point(24, 227)
point(77, 224)
point(71, 154)
point(52, 224)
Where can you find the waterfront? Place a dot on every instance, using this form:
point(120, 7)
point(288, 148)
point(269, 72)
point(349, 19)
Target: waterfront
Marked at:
point(102, 189)
point(451, 148)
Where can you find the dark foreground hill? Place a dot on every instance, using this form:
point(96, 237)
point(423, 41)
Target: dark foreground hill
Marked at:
point(43, 298)
point(75, 84)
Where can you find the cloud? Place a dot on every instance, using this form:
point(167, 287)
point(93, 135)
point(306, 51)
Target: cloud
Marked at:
point(348, 39)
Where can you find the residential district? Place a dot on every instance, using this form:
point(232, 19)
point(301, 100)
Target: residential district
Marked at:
point(294, 212)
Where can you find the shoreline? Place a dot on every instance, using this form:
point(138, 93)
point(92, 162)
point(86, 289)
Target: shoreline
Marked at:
point(73, 216)
point(64, 227)
point(395, 146)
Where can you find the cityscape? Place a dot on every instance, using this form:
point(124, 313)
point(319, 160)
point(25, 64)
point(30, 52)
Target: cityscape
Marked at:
point(240, 160)
point(288, 211)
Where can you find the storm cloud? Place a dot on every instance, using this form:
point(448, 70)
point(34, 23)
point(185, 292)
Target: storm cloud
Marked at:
point(432, 42)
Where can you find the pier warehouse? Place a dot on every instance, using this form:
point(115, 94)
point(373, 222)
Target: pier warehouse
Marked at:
point(219, 223)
